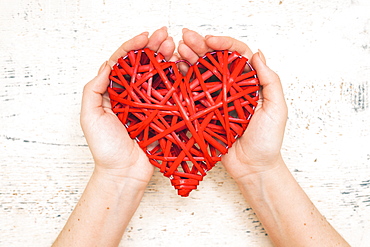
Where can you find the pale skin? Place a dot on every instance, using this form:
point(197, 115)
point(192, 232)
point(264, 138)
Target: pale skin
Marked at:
point(122, 170)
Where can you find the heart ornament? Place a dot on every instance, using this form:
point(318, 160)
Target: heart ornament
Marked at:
point(184, 123)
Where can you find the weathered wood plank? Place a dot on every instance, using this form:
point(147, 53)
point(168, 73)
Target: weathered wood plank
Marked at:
point(50, 49)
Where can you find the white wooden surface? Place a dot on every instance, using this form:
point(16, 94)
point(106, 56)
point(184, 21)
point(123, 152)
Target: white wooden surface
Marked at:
point(50, 49)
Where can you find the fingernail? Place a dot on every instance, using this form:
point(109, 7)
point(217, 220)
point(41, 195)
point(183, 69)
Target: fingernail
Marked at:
point(102, 67)
point(181, 42)
point(145, 33)
point(260, 54)
point(208, 36)
point(164, 28)
point(184, 30)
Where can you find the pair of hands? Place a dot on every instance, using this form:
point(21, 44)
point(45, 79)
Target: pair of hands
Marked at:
point(119, 158)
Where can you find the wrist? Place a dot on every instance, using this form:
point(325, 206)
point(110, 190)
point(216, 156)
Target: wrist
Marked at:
point(258, 174)
point(116, 181)
point(136, 171)
point(262, 189)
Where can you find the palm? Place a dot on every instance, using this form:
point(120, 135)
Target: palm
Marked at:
point(256, 147)
point(109, 139)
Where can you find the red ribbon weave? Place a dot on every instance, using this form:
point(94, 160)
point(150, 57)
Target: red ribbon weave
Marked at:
point(184, 123)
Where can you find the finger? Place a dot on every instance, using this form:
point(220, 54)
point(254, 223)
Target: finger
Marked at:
point(262, 56)
point(175, 57)
point(187, 53)
point(137, 42)
point(92, 98)
point(270, 82)
point(167, 48)
point(157, 38)
point(228, 43)
point(195, 41)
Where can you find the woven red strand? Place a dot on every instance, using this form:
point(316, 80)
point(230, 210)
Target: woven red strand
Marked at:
point(184, 123)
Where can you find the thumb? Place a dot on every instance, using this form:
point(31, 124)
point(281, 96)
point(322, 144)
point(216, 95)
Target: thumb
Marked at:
point(270, 82)
point(101, 81)
point(102, 67)
point(92, 97)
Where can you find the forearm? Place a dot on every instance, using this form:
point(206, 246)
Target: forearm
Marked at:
point(286, 212)
point(103, 212)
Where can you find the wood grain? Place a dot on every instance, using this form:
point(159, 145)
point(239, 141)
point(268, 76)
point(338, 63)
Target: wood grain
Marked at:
point(50, 49)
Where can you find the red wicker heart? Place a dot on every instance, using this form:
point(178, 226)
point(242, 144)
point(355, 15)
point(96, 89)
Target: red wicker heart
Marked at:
point(184, 123)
